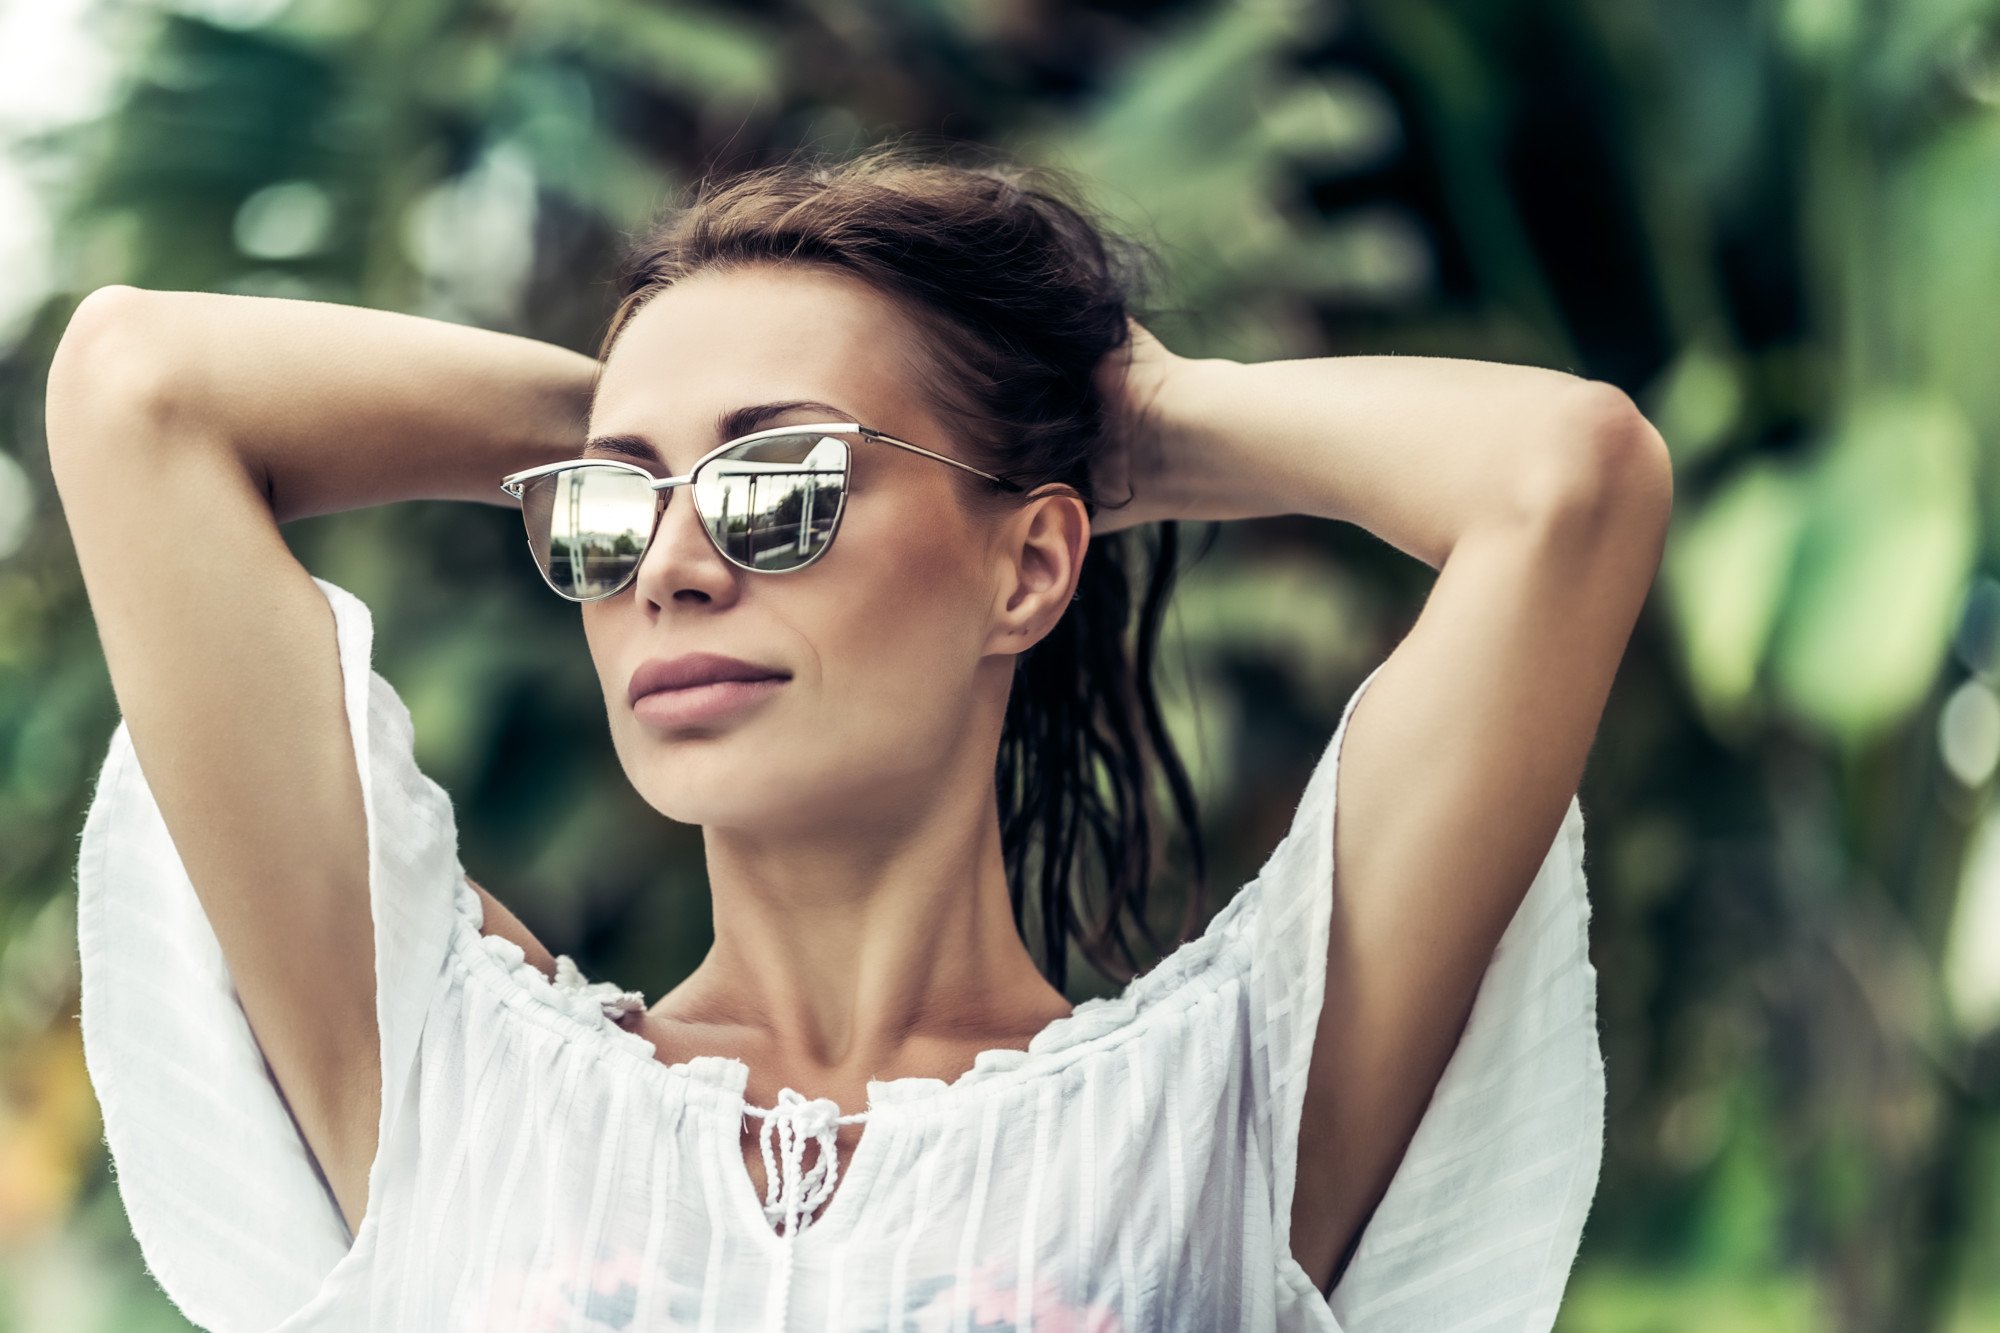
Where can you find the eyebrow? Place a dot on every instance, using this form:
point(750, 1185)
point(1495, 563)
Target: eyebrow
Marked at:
point(728, 426)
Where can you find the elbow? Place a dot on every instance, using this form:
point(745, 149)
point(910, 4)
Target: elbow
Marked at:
point(103, 331)
point(106, 377)
point(107, 359)
point(1605, 465)
point(1626, 456)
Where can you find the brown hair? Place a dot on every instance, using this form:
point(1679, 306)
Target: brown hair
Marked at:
point(1020, 294)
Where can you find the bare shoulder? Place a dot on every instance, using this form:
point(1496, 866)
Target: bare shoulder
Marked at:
point(499, 921)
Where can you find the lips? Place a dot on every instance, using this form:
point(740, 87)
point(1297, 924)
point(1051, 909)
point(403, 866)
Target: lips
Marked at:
point(693, 669)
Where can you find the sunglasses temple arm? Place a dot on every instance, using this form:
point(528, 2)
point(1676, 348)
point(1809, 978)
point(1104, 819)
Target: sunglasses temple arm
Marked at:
point(967, 467)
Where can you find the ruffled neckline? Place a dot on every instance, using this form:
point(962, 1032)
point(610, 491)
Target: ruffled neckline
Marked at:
point(600, 1010)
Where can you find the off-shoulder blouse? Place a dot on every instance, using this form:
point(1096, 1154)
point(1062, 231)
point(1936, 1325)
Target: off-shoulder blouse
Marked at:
point(540, 1167)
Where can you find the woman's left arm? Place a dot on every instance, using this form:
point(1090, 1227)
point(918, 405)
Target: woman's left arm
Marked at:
point(1543, 501)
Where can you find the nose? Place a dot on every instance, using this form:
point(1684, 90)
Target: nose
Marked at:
point(682, 562)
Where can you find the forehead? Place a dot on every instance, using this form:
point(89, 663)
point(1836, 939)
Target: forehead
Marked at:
point(720, 340)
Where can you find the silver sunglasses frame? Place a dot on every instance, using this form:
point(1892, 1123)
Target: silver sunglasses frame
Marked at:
point(515, 482)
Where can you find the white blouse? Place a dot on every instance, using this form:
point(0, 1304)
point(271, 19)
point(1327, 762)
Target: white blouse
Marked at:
point(539, 1167)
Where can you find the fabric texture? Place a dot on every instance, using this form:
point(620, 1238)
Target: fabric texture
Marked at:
point(540, 1167)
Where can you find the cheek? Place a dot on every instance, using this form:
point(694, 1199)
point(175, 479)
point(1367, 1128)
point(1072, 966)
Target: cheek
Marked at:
point(901, 627)
point(599, 636)
point(605, 636)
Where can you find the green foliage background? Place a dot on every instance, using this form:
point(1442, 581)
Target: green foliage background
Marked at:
point(1773, 223)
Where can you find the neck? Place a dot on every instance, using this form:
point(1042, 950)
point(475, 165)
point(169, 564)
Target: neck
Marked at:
point(831, 957)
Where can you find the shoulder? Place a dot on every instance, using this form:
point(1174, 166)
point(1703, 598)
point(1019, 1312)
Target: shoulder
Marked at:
point(499, 921)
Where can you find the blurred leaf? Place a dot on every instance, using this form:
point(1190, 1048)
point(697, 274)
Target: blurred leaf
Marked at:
point(1696, 403)
point(1338, 122)
point(1972, 950)
point(1944, 213)
point(1725, 572)
point(1883, 565)
point(711, 54)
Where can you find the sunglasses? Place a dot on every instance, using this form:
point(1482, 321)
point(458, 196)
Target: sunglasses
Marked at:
point(770, 502)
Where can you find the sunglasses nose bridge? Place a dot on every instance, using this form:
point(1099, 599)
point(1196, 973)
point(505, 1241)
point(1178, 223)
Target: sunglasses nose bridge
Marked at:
point(663, 500)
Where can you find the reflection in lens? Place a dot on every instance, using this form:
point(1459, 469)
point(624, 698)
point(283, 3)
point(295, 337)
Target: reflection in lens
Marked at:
point(587, 526)
point(772, 504)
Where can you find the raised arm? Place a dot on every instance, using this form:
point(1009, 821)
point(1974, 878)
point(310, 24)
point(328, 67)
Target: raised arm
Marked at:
point(184, 427)
point(1543, 501)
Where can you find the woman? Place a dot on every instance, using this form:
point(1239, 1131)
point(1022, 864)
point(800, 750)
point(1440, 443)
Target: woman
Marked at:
point(894, 400)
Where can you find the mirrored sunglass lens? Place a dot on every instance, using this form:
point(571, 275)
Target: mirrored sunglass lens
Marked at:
point(588, 526)
point(772, 504)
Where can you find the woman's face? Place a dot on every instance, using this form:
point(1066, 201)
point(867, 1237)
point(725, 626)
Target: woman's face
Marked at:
point(898, 641)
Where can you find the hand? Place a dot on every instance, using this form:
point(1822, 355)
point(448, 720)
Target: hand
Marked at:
point(1134, 462)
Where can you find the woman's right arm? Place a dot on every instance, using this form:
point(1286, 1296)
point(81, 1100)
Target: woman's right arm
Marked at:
point(183, 428)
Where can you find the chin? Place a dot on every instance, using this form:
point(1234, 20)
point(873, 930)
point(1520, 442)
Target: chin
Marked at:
point(691, 777)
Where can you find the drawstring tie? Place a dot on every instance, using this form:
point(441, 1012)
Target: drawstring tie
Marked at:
point(792, 1193)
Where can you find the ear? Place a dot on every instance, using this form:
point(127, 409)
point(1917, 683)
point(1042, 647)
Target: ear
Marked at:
point(1038, 559)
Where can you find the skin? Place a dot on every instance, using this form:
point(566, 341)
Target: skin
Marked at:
point(1541, 499)
point(850, 820)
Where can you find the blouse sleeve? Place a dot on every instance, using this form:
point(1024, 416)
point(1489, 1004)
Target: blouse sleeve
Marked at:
point(231, 1212)
point(1486, 1210)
